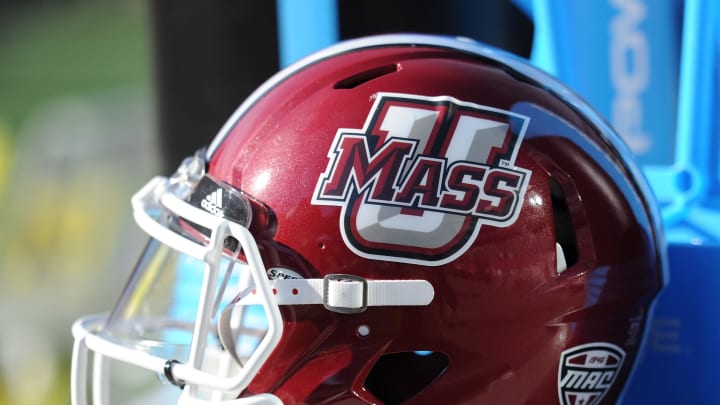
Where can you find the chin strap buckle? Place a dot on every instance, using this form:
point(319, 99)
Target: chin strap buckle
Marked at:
point(345, 293)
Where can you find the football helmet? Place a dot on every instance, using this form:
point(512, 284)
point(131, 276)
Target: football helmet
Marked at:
point(396, 219)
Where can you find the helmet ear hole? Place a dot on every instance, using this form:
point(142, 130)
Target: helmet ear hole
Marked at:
point(564, 230)
point(397, 377)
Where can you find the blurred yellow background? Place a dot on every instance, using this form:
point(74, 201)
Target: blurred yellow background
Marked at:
point(76, 140)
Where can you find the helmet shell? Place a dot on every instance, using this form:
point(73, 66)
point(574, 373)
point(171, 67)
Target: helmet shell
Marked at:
point(506, 316)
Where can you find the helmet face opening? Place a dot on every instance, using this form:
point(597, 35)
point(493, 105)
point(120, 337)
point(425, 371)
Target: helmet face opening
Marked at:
point(157, 310)
point(400, 219)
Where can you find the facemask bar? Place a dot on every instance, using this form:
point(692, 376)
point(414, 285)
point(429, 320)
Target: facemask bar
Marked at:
point(167, 194)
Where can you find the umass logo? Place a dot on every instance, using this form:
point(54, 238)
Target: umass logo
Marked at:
point(422, 176)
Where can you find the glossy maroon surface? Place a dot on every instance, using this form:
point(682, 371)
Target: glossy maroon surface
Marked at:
point(501, 313)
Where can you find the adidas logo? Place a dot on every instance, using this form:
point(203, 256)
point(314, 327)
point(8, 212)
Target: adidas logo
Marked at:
point(213, 202)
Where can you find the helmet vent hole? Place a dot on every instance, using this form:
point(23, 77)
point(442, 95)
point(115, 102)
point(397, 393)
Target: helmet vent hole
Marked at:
point(397, 377)
point(564, 230)
point(364, 77)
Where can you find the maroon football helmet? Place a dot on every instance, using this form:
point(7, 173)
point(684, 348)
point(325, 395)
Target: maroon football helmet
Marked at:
point(396, 219)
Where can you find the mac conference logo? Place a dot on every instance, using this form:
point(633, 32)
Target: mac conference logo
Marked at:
point(422, 176)
point(587, 372)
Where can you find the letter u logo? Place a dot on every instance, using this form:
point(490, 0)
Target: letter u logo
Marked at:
point(400, 178)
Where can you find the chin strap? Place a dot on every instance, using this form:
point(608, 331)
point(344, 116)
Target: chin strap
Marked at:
point(347, 294)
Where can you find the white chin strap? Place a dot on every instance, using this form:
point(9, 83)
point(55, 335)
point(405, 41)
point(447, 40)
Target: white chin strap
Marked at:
point(347, 294)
